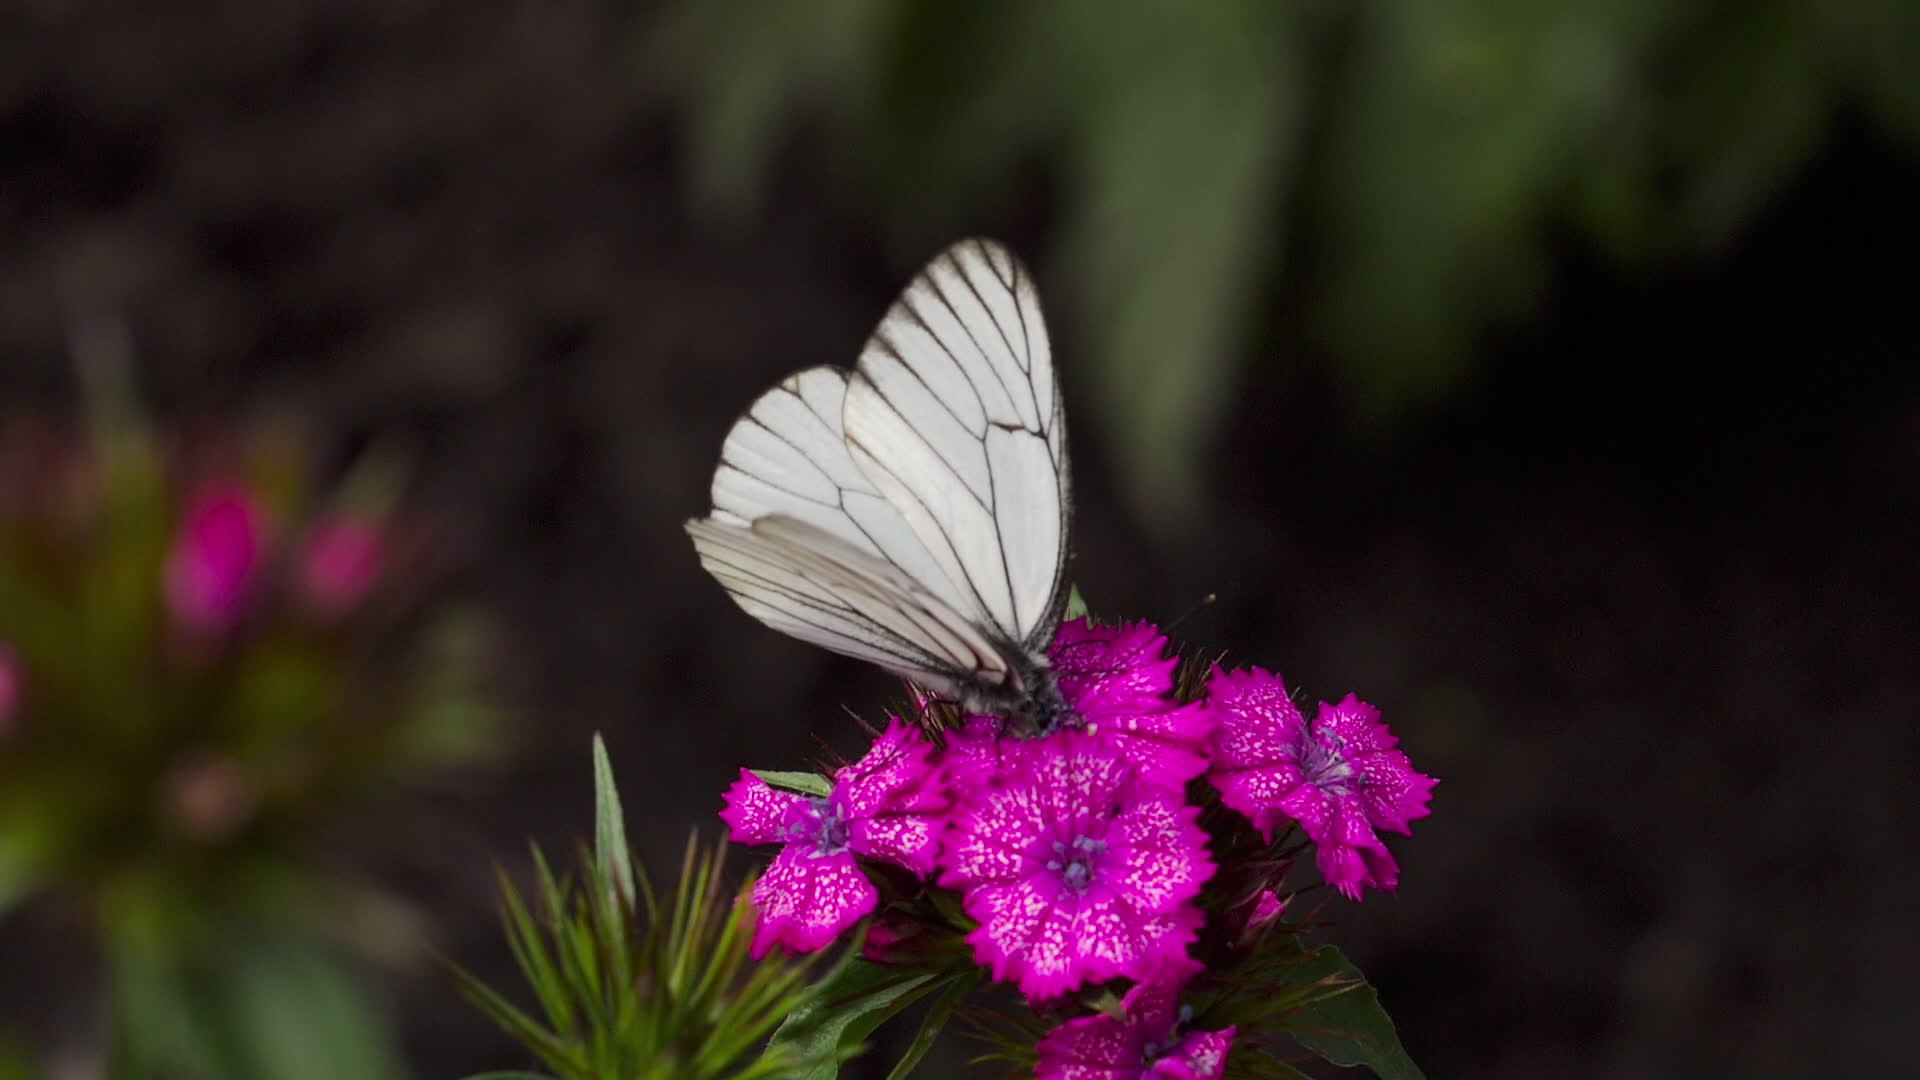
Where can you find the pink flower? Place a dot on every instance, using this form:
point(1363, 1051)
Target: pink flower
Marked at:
point(976, 753)
point(340, 561)
point(1340, 777)
point(215, 558)
point(1145, 1042)
point(890, 805)
point(1119, 681)
point(1077, 869)
point(11, 688)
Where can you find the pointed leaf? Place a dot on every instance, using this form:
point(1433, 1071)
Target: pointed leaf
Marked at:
point(610, 849)
point(936, 1021)
point(1076, 604)
point(806, 783)
point(858, 998)
point(1263, 1066)
point(300, 1013)
point(1350, 1028)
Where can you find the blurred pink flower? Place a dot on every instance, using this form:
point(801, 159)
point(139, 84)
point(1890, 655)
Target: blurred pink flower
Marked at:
point(10, 687)
point(340, 562)
point(215, 558)
point(208, 797)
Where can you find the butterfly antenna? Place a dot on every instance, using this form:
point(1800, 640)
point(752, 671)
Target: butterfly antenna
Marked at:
point(1193, 609)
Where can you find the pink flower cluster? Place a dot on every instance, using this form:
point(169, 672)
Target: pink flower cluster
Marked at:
point(223, 546)
point(1079, 855)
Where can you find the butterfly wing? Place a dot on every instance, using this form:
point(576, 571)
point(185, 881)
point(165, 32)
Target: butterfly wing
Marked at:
point(954, 416)
point(912, 513)
point(787, 455)
point(804, 581)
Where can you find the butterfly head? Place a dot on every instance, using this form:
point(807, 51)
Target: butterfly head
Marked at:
point(1032, 708)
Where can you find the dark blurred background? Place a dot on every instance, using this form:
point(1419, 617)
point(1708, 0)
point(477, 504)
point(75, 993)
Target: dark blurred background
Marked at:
point(1544, 373)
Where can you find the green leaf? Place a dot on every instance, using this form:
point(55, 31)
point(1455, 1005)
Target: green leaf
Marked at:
point(517, 1024)
point(935, 1022)
point(1262, 1066)
point(1076, 604)
point(509, 1076)
point(301, 1013)
point(858, 998)
point(1350, 1028)
point(15, 1064)
point(805, 783)
point(259, 1003)
point(610, 850)
point(22, 860)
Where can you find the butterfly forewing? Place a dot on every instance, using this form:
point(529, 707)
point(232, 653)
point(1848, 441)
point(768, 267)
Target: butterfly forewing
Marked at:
point(788, 455)
point(954, 415)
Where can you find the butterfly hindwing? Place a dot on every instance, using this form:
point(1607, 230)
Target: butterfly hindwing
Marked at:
point(811, 585)
point(788, 455)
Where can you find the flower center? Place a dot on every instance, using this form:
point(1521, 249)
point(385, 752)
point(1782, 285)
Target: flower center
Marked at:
point(820, 823)
point(1074, 862)
point(1325, 766)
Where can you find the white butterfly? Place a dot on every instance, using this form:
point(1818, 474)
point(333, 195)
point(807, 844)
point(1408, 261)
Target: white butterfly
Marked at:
point(913, 511)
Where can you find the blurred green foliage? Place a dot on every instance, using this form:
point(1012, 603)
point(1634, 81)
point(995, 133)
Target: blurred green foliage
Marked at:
point(1412, 155)
point(204, 688)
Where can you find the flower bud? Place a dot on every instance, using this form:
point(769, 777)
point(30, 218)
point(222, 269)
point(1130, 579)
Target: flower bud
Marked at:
point(216, 557)
point(340, 562)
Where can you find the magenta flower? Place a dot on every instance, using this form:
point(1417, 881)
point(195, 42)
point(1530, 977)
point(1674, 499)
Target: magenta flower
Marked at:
point(1118, 681)
point(1145, 1042)
point(215, 558)
point(976, 753)
point(11, 689)
point(1340, 777)
point(340, 561)
point(1077, 869)
point(890, 805)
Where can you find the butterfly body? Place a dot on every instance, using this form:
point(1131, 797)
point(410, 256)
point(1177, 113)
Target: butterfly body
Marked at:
point(1030, 703)
point(912, 512)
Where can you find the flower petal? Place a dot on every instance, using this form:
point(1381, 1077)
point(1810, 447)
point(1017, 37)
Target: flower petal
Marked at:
point(805, 902)
point(755, 812)
point(1118, 680)
point(1200, 1055)
point(1099, 1047)
point(895, 800)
